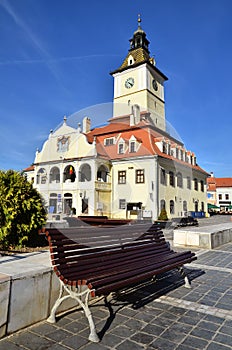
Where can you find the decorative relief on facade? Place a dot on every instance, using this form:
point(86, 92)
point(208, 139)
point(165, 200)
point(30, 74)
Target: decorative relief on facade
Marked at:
point(63, 144)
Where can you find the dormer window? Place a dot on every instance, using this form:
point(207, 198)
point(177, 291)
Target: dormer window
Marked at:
point(133, 144)
point(121, 146)
point(130, 60)
point(109, 141)
point(132, 147)
point(164, 147)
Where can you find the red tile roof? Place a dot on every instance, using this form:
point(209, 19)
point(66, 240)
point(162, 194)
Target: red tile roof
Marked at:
point(30, 168)
point(214, 182)
point(144, 133)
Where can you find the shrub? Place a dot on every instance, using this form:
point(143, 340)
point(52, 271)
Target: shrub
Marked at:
point(21, 211)
point(163, 215)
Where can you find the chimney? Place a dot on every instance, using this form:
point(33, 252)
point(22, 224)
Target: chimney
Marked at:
point(86, 125)
point(212, 174)
point(132, 120)
point(136, 113)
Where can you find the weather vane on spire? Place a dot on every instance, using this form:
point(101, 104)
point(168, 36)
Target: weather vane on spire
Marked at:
point(139, 20)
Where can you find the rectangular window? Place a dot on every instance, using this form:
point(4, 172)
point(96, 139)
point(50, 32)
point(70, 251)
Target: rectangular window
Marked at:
point(195, 184)
point(202, 186)
point(227, 196)
point(162, 176)
point(220, 196)
point(171, 179)
point(189, 182)
point(122, 204)
point(122, 177)
point(139, 176)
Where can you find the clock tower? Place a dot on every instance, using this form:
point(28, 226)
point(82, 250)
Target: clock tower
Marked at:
point(139, 82)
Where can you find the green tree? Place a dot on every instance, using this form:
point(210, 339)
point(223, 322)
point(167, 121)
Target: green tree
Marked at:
point(21, 211)
point(163, 215)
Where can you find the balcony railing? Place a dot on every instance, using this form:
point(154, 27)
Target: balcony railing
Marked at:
point(103, 186)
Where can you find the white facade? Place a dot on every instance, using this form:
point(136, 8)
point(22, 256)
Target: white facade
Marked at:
point(131, 168)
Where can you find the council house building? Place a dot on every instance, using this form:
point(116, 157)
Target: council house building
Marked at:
point(130, 168)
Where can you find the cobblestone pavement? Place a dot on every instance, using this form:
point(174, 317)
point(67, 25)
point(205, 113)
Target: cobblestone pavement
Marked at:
point(162, 315)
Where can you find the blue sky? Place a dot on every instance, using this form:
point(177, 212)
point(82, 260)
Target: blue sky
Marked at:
point(56, 55)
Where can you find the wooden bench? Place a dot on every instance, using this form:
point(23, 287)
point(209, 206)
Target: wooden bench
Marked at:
point(98, 261)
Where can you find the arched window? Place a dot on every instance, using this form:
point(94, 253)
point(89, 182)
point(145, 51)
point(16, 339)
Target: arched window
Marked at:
point(179, 180)
point(69, 173)
point(54, 175)
point(172, 207)
point(102, 173)
point(41, 177)
point(162, 204)
point(85, 173)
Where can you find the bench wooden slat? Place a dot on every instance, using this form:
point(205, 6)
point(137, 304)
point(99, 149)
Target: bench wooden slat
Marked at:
point(93, 269)
point(123, 283)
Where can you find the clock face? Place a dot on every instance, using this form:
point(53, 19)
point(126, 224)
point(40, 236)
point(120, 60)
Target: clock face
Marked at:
point(154, 84)
point(129, 83)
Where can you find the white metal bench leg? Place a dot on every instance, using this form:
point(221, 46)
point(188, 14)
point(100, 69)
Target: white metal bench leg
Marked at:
point(186, 280)
point(77, 295)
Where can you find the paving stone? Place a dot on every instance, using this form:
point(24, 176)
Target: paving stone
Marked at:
point(181, 328)
point(128, 312)
point(75, 341)
point(223, 306)
point(119, 319)
point(216, 346)
point(202, 333)
point(145, 316)
point(32, 341)
point(44, 328)
point(223, 339)
point(177, 311)
point(175, 337)
point(135, 324)
point(129, 345)
point(74, 327)
point(187, 320)
point(95, 346)
point(184, 347)
point(168, 315)
point(142, 338)
point(111, 340)
point(123, 331)
point(209, 326)
point(195, 342)
point(161, 344)
point(57, 347)
point(7, 345)
point(59, 335)
point(214, 319)
point(153, 329)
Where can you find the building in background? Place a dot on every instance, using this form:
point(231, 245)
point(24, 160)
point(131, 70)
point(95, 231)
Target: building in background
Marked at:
point(219, 193)
point(131, 167)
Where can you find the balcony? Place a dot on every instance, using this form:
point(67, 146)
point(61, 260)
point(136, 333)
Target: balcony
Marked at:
point(102, 186)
